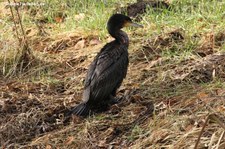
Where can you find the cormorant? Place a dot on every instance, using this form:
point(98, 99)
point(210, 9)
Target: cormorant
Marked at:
point(107, 71)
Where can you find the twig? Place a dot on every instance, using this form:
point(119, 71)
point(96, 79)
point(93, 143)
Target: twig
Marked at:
point(212, 140)
point(196, 144)
point(17, 33)
point(23, 33)
point(214, 117)
point(221, 137)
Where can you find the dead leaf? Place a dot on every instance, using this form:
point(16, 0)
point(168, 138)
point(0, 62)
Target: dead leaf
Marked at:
point(69, 140)
point(59, 19)
point(135, 85)
point(31, 32)
point(48, 147)
point(221, 109)
point(137, 97)
point(94, 42)
point(189, 127)
point(80, 44)
point(161, 106)
point(220, 92)
point(79, 16)
point(159, 135)
point(102, 144)
point(200, 19)
point(202, 95)
point(154, 63)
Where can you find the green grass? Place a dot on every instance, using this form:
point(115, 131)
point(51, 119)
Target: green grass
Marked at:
point(194, 17)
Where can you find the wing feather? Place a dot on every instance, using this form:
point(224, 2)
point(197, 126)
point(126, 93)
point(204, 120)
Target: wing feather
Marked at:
point(106, 73)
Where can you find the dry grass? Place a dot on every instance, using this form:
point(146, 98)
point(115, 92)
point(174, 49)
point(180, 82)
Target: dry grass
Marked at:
point(178, 72)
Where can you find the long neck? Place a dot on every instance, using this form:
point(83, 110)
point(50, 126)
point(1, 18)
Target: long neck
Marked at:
point(120, 36)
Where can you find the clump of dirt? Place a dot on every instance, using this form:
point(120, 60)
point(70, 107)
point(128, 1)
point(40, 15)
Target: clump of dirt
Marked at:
point(136, 9)
point(206, 46)
point(167, 75)
point(153, 47)
point(210, 43)
point(63, 43)
point(196, 70)
point(220, 38)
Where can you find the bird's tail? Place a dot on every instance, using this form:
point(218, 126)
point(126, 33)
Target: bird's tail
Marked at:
point(81, 110)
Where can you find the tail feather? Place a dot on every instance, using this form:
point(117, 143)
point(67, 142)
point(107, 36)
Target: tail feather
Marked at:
point(81, 110)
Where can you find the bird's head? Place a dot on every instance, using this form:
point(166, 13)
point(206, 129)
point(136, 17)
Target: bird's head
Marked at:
point(118, 21)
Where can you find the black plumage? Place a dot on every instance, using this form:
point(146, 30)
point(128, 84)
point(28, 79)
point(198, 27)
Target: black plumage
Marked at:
point(107, 71)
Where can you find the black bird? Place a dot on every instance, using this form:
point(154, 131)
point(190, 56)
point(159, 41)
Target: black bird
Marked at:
point(107, 71)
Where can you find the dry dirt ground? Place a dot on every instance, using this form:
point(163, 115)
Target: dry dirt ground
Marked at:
point(164, 102)
point(32, 112)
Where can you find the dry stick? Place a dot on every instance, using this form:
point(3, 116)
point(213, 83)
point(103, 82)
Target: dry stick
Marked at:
point(212, 140)
point(21, 26)
point(213, 117)
point(196, 144)
point(218, 143)
point(17, 33)
point(26, 49)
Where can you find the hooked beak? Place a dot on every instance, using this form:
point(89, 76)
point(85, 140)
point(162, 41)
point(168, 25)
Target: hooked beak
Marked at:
point(133, 24)
point(136, 25)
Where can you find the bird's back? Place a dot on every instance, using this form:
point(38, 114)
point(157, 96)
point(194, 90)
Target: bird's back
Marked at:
point(106, 73)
